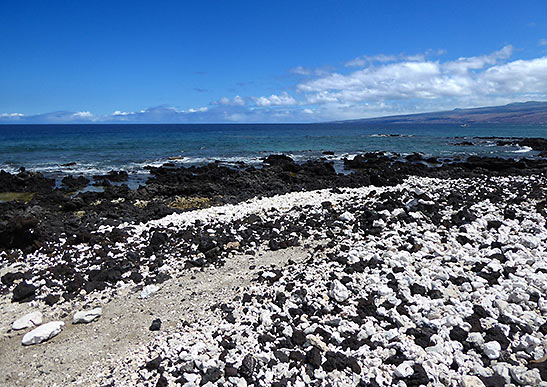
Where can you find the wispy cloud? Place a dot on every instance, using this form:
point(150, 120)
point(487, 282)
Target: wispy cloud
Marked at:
point(157, 114)
point(542, 42)
point(307, 71)
point(236, 101)
point(53, 117)
point(365, 60)
point(301, 70)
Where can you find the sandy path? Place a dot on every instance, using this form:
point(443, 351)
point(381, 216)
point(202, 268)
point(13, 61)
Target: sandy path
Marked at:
point(85, 353)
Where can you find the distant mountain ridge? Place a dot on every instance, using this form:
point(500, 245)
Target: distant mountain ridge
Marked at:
point(531, 112)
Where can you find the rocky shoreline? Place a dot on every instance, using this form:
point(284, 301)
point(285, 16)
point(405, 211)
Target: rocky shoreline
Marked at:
point(417, 271)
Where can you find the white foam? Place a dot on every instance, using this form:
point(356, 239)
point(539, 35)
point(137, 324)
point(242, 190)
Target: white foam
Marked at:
point(77, 169)
point(393, 135)
point(523, 149)
point(8, 169)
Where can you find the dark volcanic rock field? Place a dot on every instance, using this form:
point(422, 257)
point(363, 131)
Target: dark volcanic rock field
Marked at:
point(54, 213)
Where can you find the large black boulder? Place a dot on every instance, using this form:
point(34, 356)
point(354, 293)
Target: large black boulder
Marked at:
point(75, 183)
point(23, 292)
point(25, 181)
point(286, 163)
point(19, 232)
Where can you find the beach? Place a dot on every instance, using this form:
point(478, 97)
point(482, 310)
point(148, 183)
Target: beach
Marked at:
point(400, 271)
point(280, 194)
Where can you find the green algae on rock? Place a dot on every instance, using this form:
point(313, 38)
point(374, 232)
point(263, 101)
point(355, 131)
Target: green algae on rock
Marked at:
point(17, 196)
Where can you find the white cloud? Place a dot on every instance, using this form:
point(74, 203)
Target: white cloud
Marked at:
point(11, 115)
point(120, 113)
point(83, 115)
point(198, 110)
point(275, 100)
point(542, 42)
point(518, 77)
point(404, 80)
point(455, 83)
point(236, 101)
point(462, 65)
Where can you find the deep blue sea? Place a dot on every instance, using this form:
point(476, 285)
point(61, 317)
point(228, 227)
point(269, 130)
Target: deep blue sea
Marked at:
point(98, 149)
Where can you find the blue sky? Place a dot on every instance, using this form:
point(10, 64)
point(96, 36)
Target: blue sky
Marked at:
point(284, 61)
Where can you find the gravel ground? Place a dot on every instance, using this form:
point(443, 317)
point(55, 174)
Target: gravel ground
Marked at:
point(86, 354)
point(431, 282)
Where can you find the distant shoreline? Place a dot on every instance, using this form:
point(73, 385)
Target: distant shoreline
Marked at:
point(520, 113)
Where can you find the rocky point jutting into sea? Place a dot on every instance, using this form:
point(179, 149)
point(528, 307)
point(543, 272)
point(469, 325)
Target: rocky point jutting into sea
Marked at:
point(401, 271)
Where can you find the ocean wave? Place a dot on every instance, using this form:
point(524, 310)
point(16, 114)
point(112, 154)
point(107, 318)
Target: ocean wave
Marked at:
point(390, 135)
point(523, 149)
point(139, 166)
point(87, 169)
point(227, 160)
point(8, 168)
point(343, 156)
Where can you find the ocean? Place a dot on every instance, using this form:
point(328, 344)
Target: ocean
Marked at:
point(58, 150)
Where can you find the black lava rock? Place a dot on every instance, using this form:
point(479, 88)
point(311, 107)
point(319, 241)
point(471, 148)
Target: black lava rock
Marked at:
point(230, 371)
point(8, 278)
point(313, 357)
point(75, 183)
point(418, 289)
point(458, 334)
point(541, 366)
point(162, 381)
point(247, 367)
point(158, 238)
point(418, 378)
point(51, 299)
point(496, 334)
point(493, 381)
point(298, 337)
point(480, 311)
point(211, 375)
point(156, 325)
point(23, 292)
point(422, 336)
point(281, 356)
point(435, 294)
point(154, 364)
point(335, 361)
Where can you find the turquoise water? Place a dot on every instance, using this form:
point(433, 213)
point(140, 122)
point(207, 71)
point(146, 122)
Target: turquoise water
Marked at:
point(100, 148)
